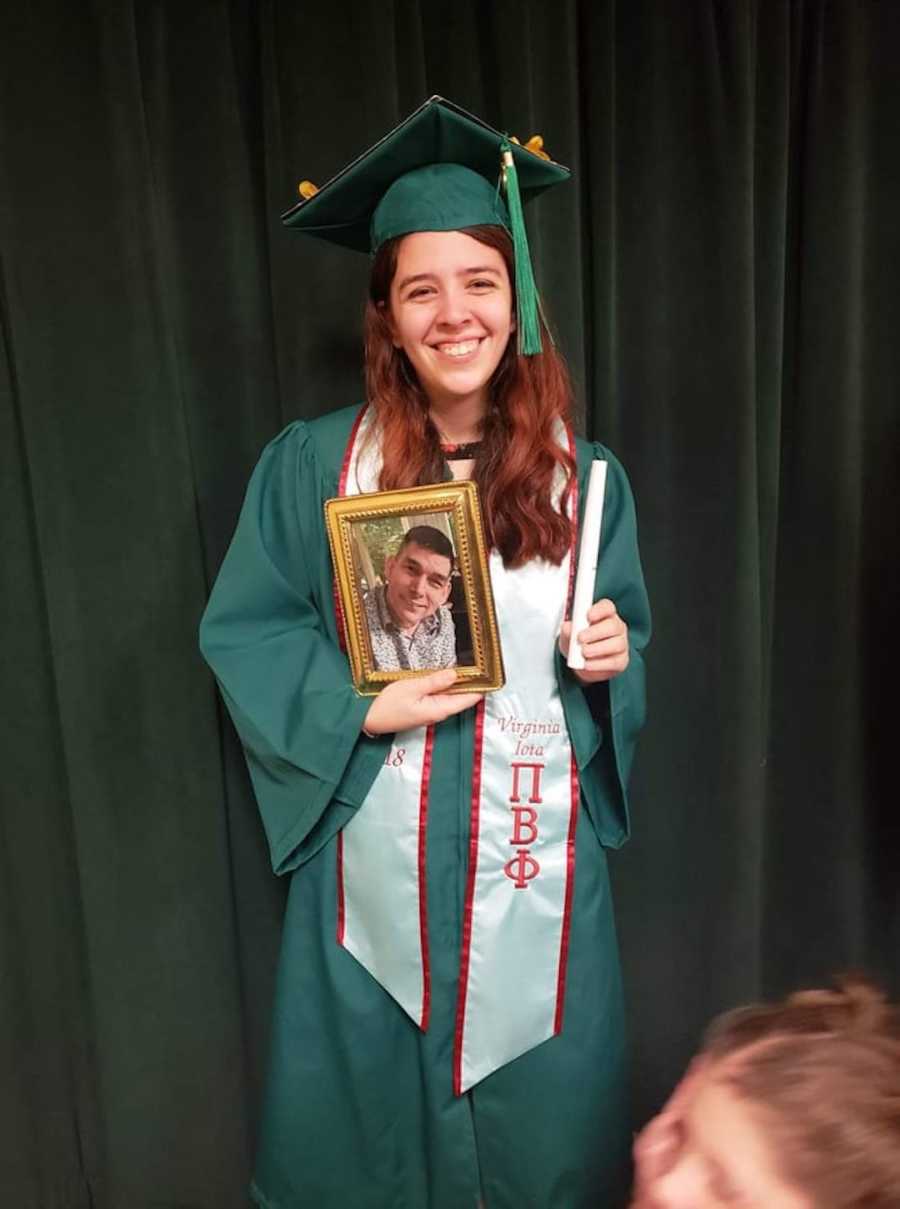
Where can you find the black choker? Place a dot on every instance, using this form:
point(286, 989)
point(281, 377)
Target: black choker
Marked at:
point(461, 453)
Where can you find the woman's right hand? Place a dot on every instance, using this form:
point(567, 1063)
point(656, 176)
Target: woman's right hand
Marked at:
point(418, 701)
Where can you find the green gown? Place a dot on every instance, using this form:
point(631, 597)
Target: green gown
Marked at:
point(359, 1110)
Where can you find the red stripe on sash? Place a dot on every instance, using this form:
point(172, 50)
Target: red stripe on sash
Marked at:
point(573, 779)
point(342, 490)
point(423, 887)
point(573, 505)
point(567, 909)
point(474, 820)
point(340, 887)
point(348, 452)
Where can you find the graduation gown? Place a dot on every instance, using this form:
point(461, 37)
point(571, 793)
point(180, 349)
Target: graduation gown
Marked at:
point(359, 1110)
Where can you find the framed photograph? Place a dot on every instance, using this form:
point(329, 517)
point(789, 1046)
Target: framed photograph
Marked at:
point(415, 590)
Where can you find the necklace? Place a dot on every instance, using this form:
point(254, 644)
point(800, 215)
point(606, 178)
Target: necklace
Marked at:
point(460, 453)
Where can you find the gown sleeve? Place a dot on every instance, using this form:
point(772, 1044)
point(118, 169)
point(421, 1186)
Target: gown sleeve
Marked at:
point(604, 719)
point(269, 634)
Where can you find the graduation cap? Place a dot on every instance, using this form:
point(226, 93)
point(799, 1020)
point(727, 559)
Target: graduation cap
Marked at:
point(442, 169)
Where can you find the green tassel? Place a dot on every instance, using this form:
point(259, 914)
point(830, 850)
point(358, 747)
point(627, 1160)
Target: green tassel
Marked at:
point(527, 302)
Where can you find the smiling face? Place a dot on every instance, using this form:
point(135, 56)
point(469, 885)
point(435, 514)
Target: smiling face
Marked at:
point(418, 583)
point(721, 1155)
point(451, 313)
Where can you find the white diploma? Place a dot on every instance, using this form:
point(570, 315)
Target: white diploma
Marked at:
point(588, 557)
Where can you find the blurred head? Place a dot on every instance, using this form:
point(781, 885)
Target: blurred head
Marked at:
point(417, 577)
point(790, 1106)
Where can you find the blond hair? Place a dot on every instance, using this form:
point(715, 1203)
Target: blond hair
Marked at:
point(822, 1073)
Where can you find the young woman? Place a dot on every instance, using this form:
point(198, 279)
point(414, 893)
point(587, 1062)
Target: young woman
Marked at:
point(793, 1105)
point(448, 1026)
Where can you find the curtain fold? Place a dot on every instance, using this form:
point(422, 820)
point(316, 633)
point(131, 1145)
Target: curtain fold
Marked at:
point(721, 275)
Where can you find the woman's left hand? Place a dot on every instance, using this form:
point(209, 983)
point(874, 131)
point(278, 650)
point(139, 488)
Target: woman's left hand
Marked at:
point(604, 642)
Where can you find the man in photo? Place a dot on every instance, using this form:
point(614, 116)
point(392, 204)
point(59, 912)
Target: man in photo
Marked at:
point(410, 626)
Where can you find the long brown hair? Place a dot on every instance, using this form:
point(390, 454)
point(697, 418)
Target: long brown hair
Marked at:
point(520, 452)
point(822, 1071)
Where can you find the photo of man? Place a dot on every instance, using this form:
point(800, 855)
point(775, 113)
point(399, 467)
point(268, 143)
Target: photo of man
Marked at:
point(410, 623)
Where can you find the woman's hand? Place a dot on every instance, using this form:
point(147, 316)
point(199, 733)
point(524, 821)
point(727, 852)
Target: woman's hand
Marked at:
point(404, 704)
point(604, 642)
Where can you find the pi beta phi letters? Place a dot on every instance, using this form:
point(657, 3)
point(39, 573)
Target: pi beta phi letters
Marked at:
point(525, 783)
point(522, 867)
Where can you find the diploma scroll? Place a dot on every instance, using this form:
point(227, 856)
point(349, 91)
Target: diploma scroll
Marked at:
point(588, 558)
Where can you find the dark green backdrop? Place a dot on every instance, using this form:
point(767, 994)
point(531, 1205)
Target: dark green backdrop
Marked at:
point(723, 274)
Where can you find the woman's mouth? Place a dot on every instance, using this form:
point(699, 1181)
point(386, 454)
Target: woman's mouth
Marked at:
point(460, 349)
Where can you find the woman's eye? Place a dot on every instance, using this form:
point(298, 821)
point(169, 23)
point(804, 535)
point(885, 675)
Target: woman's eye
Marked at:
point(421, 292)
point(481, 285)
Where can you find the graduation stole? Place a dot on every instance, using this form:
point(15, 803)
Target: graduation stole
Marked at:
point(521, 859)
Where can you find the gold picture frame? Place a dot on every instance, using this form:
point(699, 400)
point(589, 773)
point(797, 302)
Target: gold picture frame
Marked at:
point(441, 586)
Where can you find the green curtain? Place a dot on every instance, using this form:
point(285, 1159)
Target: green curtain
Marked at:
point(723, 278)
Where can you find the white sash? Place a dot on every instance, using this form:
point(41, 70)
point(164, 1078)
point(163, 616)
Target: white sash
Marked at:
point(522, 835)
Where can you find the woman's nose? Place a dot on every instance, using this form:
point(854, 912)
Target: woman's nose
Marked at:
point(453, 310)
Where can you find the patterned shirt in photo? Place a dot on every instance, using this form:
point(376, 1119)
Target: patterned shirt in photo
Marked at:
point(432, 644)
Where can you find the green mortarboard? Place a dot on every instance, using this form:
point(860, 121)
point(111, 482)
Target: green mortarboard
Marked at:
point(441, 169)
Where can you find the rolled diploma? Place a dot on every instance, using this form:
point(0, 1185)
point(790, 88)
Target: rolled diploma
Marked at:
point(588, 558)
